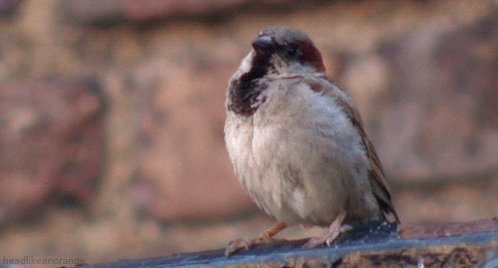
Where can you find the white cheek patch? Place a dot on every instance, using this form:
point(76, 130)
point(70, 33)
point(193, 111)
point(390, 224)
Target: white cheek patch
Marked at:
point(245, 65)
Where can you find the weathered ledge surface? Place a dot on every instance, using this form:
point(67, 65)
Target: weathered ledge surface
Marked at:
point(472, 244)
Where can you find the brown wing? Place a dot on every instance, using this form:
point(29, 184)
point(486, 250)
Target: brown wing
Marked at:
point(376, 173)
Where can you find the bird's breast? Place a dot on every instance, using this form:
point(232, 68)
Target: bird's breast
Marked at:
point(295, 155)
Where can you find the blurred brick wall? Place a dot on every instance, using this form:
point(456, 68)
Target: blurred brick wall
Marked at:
point(111, 115)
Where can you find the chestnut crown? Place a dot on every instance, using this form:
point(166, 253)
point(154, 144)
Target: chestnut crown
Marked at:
point(286, 46)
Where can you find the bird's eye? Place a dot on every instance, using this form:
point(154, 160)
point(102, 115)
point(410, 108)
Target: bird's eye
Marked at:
point(292, 51)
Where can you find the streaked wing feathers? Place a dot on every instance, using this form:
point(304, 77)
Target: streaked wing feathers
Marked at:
point(376, 173)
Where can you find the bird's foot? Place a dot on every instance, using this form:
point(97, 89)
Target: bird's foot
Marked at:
point(264, 238)
point(335, 229)
point(242, 244)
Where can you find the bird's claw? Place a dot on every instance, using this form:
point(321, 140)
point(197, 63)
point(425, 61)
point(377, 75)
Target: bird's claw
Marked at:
point(242, 244)
point(236, 246)
point(336, 228)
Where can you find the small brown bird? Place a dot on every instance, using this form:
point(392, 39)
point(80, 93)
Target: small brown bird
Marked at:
point(297, 143)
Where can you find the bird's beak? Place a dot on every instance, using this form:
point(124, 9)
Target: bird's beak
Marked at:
point(263, 44)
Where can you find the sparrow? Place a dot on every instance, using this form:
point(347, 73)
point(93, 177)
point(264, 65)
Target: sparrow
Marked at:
point(297, 143)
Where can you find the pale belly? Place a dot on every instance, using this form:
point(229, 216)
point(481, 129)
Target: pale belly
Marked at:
point(300, 170)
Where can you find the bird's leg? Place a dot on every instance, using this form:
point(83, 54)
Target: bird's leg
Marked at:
point(264, 238)
point(335, 229)
point(268, 234)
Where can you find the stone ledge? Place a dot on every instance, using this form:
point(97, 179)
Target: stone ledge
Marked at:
point(372, 246)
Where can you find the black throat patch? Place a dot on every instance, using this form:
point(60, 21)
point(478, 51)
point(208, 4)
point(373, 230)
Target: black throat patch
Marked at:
point(244, 92)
